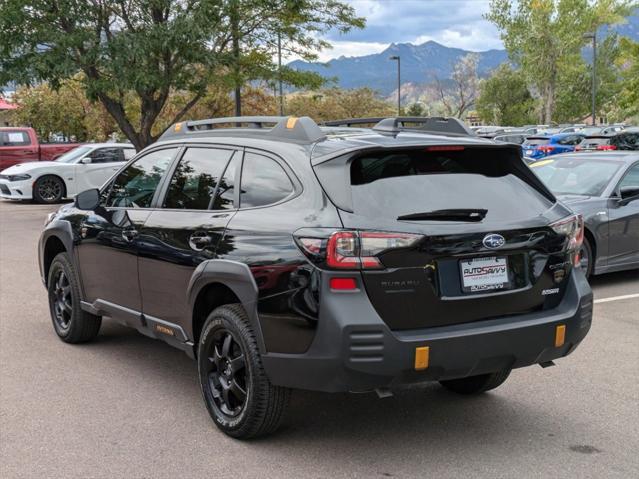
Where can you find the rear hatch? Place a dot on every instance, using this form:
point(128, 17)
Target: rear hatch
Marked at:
point(450, 234)
point(591, 143)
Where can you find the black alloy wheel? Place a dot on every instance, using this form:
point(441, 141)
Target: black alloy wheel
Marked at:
point(226, 373)
point(48, 189)
point(62, 300)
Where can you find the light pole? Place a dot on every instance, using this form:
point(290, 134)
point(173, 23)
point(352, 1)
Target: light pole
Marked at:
point(399, 83)
point(593, 36)
point(279, 71)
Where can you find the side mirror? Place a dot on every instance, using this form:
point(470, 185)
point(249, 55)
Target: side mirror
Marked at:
point(88, 200)
point(629, 193)
point(86, 160)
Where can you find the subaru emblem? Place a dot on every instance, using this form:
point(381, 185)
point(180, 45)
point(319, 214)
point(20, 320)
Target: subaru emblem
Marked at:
point(494, 241)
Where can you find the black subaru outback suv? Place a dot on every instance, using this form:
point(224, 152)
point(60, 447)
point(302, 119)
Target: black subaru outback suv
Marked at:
point(283, 255)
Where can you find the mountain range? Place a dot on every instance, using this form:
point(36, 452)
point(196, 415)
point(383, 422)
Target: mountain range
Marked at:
point(420, 64)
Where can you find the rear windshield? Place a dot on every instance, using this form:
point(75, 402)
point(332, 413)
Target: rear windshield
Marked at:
point(595, 141)
point(536, 141)
point(404, 182)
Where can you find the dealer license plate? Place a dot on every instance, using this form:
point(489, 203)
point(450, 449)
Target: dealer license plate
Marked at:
point(484, 274)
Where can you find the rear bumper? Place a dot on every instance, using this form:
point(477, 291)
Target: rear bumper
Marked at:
point(355, 351)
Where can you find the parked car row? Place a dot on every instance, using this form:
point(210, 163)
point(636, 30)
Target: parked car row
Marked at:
point(541, 141)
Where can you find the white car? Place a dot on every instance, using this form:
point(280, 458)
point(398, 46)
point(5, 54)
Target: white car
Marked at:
point(87, 166)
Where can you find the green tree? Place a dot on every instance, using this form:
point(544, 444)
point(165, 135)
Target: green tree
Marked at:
point(543, 37)
point(146, 49)
point(574, 85)
point(504, 98)
point(628, 62)
point(336, 103)
point(416, 109)
point(65, 110)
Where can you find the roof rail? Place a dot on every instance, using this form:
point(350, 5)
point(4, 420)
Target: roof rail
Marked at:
point(285, 128)
point(432, 124)
point(353, 121)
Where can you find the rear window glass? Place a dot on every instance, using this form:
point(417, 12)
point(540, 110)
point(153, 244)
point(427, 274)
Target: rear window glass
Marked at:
point(536, 141)
point(14, 138)
point(400, 183)
point(595, 141)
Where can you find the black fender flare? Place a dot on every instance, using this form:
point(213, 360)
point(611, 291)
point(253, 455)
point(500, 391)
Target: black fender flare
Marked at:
point(238, 278)
point(63, 231)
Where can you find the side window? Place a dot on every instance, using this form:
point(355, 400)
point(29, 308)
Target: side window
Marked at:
point(631, 179)
point(264, 182)
point(136, 185)
point(14, 138)
point(225, 197)
point(106, 155)
point(195, 178)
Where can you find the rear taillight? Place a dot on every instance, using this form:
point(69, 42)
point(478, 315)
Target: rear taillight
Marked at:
point(606, 147)
point(573, 228)
point(577, 148)
point(546, 148)
point(355, 249)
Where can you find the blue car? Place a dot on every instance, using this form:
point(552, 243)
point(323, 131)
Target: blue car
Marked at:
point(540, 146)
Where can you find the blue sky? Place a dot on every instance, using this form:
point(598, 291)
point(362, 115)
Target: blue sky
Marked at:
point(454, 23)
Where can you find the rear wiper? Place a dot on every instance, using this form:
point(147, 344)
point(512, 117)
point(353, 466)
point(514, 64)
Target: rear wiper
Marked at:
point(459, 214)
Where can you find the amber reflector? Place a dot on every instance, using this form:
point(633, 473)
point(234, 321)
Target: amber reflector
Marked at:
point(560, 335)
point(421, 358)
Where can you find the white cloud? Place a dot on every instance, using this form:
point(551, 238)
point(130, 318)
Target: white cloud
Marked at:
point(474, 39)
point(351, 49)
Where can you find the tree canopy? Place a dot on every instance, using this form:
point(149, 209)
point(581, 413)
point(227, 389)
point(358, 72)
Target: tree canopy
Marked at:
point(504, 98)
point(545, 37)
point(149, 49)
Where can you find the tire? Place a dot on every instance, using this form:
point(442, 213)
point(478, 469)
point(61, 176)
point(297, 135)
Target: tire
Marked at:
point(586, 253)
point(48, 189)
point(238, 395)
point(476, 384)
point(71, 324)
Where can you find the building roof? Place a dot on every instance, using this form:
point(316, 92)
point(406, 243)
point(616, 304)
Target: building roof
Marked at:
point(5, 105)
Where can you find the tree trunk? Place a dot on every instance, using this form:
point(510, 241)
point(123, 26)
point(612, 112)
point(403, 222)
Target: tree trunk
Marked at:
point(235, 20)
point(116, 110)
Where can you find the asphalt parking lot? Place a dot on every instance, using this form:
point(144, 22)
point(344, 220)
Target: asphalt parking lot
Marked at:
point(128, 406)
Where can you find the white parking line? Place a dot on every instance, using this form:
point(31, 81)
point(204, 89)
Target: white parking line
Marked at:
point(616, 298)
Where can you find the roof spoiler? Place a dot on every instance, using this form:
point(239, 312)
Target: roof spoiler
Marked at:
point(284, 128)
point(394, 125)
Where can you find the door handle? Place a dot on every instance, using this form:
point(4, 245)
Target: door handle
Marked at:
point(129, 234)
point(199, 240)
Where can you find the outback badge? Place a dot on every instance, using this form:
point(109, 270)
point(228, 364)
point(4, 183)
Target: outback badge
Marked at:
point(493, 241)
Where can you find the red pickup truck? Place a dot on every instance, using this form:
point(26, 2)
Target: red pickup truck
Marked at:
point(19, 145)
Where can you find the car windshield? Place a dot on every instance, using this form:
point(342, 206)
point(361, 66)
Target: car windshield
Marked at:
point(71, 156)
point(577, 176)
